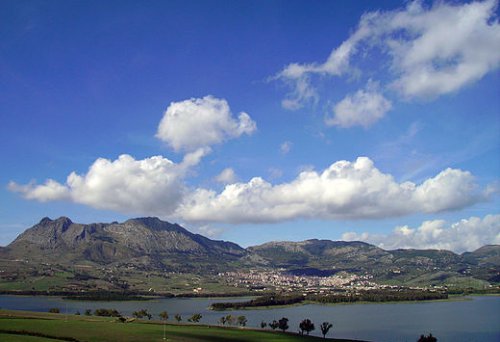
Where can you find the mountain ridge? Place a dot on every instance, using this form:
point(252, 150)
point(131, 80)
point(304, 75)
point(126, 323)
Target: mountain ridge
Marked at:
point(150, 244)
point(154, 223)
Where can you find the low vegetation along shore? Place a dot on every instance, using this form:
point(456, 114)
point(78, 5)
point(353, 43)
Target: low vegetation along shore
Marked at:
point(360, 296)
point(38, 327)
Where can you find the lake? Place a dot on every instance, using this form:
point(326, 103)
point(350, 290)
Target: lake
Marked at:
point(473, 319)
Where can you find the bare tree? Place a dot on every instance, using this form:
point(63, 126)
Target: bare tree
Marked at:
point(325, 327)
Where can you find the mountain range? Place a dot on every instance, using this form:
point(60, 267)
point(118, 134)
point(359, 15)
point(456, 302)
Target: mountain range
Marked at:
point(152, 245)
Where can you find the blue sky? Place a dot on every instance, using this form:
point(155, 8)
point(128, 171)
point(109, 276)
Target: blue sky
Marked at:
point(254, 121)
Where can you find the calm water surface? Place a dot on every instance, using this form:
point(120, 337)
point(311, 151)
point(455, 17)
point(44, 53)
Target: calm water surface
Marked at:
point(476, 319)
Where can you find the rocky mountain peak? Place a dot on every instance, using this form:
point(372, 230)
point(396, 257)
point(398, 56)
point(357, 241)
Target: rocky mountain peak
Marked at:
point(156, 224)
point(46, 220)
point(145, 238)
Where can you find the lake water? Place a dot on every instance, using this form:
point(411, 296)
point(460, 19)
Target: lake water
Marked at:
point(475, 319)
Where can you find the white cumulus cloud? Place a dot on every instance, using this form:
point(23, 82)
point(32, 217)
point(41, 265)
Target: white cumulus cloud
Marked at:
point(363, 108)
point(453, 45)
point(201, 122)
point(464, 235)
point(425, 51)
point(150, 186)
point(345, 190)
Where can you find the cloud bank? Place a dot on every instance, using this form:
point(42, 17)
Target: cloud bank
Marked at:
point(464, 235)
point(345, 190)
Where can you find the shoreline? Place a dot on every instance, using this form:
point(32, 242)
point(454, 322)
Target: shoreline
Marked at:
point(451, 298)
point(119, 296)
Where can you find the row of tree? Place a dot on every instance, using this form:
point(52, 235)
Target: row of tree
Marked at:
point(195, 318)
point(97, 312)
point(143, 313)
point(305, 325)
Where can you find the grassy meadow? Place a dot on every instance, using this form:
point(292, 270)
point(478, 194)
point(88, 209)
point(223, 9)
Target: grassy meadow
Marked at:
point(38, 327)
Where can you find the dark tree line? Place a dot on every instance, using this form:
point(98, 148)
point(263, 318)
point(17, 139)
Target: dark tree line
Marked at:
point(268, 300)
point(346, 297)
point(379, 296)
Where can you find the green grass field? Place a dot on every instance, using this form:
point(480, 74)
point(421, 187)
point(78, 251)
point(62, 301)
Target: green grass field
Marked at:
point(24, 338)
point(57, 327)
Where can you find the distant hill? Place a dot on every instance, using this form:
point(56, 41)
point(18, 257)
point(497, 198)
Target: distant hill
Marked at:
point(151, 245)
point(322, 255)
point(401, 266)
point(487, 255)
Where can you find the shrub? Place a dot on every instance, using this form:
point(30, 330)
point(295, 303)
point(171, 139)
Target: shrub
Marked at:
point(107, 312)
